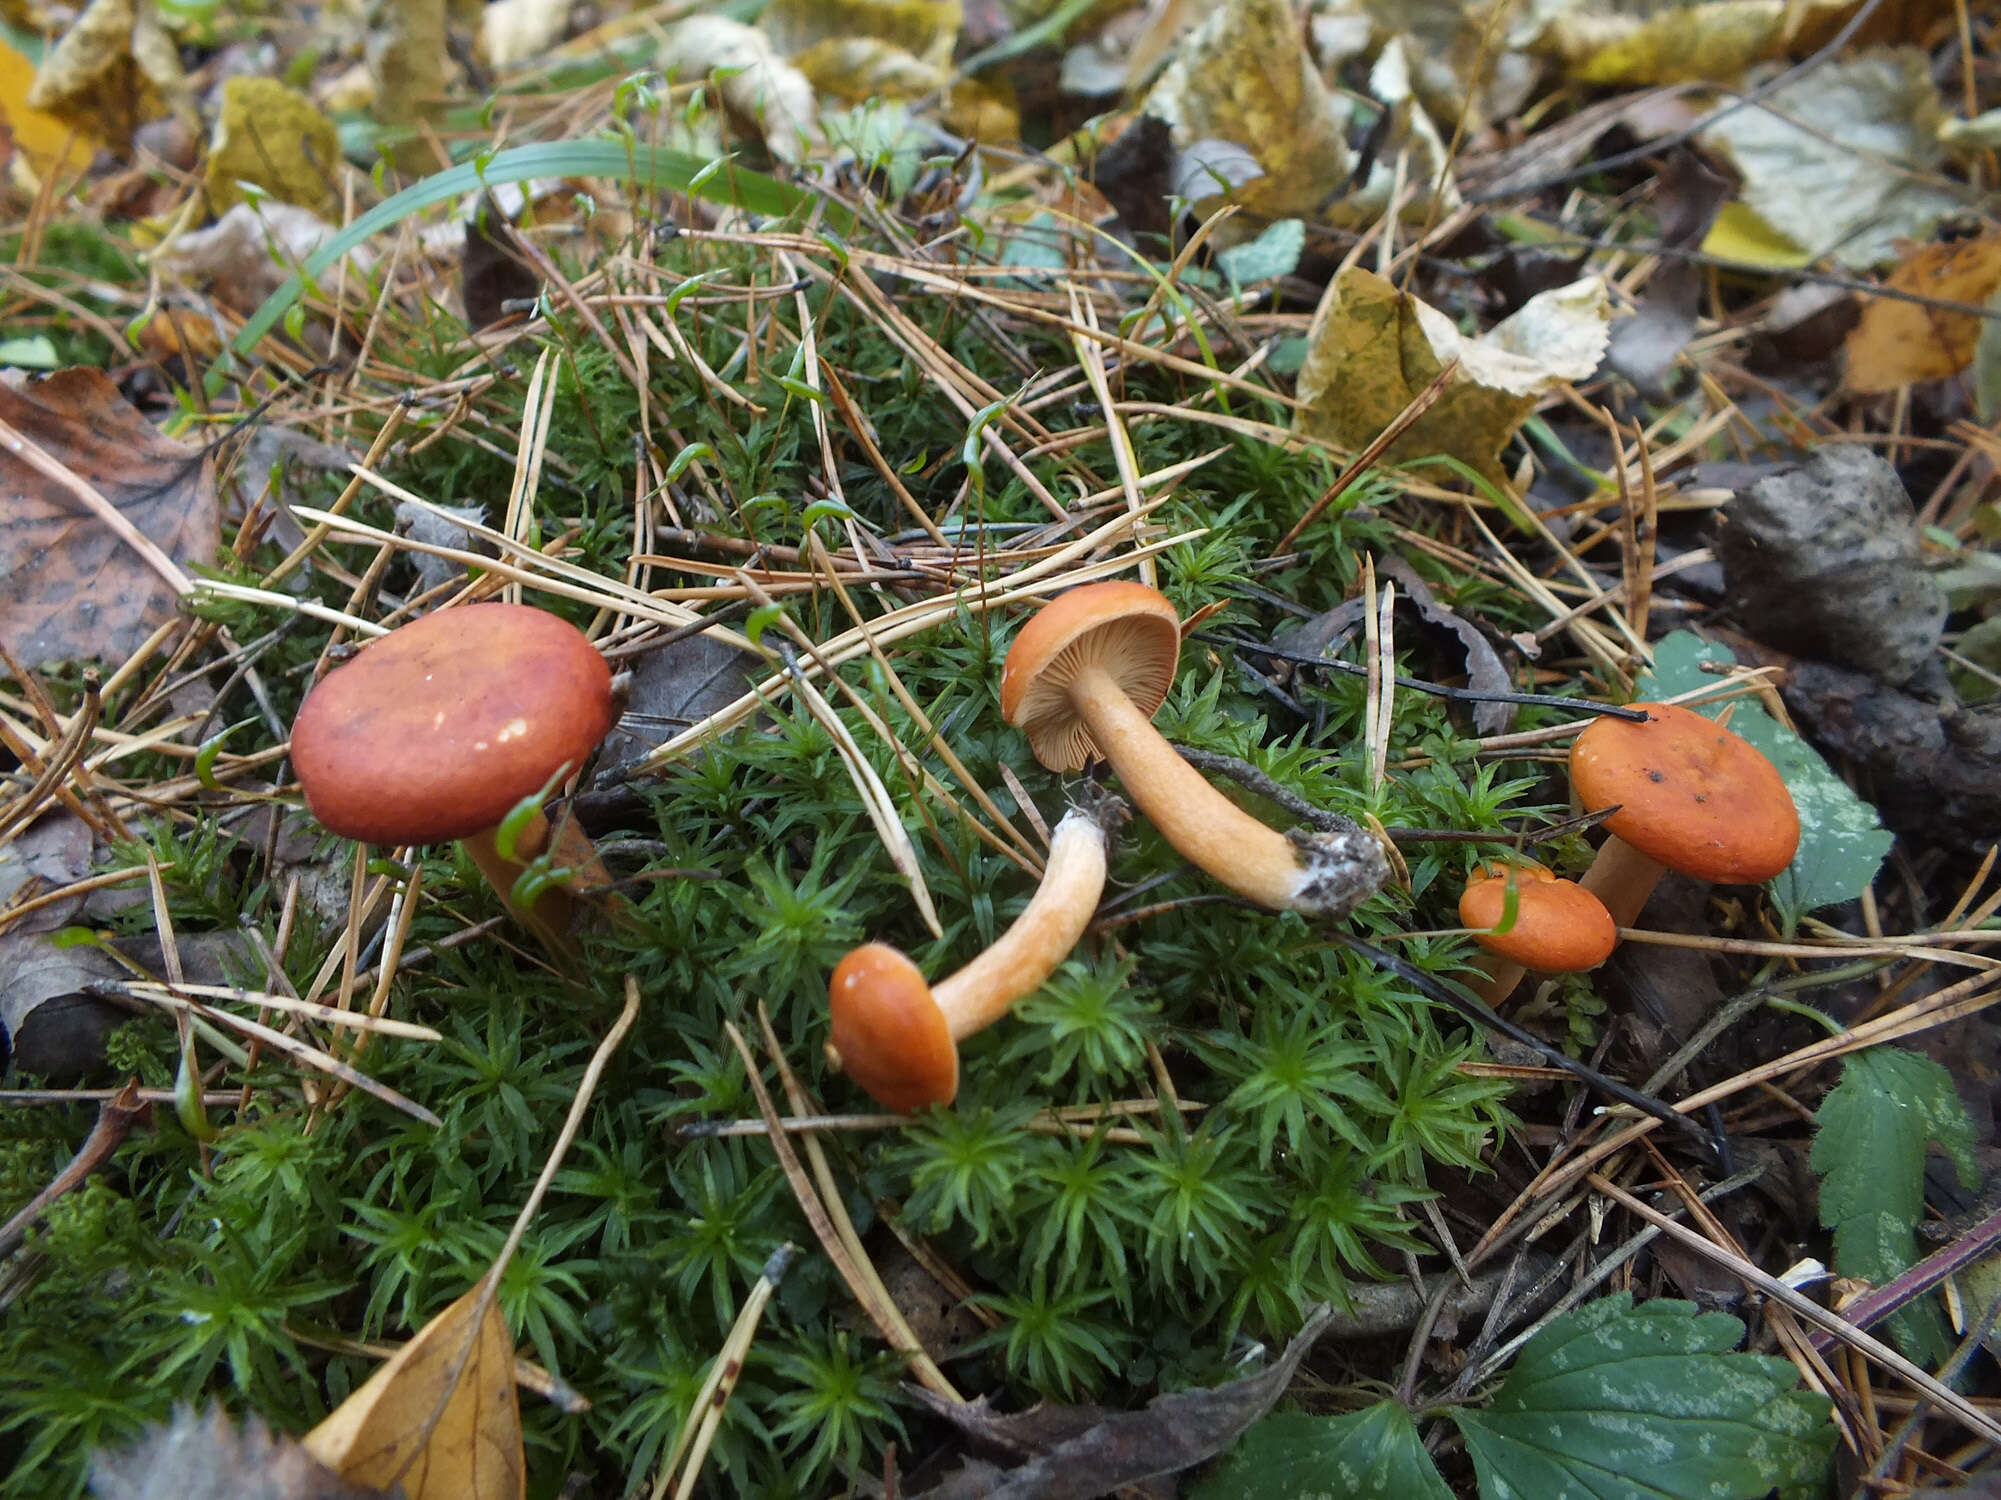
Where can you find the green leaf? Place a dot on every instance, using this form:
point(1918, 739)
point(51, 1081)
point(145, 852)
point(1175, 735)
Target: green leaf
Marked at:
point(1870, 1154)
point(1373, 1452)
point(1274, 253)
point(1617, 1402)
point(1841, 843)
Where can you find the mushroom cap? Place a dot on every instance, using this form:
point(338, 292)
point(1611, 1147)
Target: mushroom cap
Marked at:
point(1691, 794)
point(1559, 928)
point(1127, 628)
point(435, 730)
point(889, 1034)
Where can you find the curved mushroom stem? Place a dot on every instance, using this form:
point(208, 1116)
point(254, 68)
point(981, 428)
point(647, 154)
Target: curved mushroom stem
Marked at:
point(1316, 874)
point(549, 917)
point(1502, 977)
point(1040, 938)
point(1622, 877)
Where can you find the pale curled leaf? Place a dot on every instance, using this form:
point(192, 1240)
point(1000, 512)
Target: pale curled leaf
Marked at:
point(758, 85)
point(1840, 161)
point(384, 1432)
point(205, 1456)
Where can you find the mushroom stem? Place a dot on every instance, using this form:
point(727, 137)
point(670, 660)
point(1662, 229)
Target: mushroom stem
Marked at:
point(549, 918)
point(1622, 877)
point(1038, 940)
point(1207, 828)
point(1502, 977)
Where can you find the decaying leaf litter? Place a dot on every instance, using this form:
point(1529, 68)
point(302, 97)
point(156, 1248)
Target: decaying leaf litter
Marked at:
point(797, 357)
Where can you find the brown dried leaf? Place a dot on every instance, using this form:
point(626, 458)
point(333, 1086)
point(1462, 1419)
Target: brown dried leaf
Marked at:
point(385, 1433)
point(69, 588)
point(1900, 343)
point(494, 269)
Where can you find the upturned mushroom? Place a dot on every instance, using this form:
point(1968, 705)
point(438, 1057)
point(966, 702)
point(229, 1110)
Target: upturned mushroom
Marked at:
point(1559, 927)
point(438, 729)
point(1691, 796)
point(898, 1037)
point(1084, 679)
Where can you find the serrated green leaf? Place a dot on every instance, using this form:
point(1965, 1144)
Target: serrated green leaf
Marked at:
point(1369, 1453)
point(1617, 1402)
point(1870, 1154)
point(1841, 843)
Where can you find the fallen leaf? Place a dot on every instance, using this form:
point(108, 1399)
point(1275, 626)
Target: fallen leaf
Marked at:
point(1613, 43)
point(1484, 671)
point(926, 30)
point(1243, 76)
point(1133, 172)
point(1644, 347)
point(677, 685)
point(854, 69)
point(1172, 1433)
point(55, 850)
point(111, 72)
point(493, 268)
point(1741, 235)
point(274, 139)
point(408, 64)
point(50, 143)
point(1375, 349)
point(249, 251)
point(384, 1433)
point(513, 31)
point(1410, 156)
point(1842, 160)
point(205, 1455)
point(69, 588)
point(764, 94)
point(1900, 343)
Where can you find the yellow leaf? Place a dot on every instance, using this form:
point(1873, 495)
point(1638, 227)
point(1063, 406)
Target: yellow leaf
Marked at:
point(926, 29)
point(113, 70)
point(1376, 349)
point(1740, 234)
point(51, 144)
point(1242, 76)
point(273, 138)
point(384, 1432)
point(856, 68)
point(1900, 343)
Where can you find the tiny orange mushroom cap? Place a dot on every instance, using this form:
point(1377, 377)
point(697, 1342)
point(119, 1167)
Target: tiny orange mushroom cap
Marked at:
point(1085, 677)
point(1559, 927)
point(437, 729)
point(898, 1037)
point(1692, 797)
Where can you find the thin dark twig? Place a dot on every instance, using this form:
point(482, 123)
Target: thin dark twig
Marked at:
point(1251, 779)
point(1482, 1015)
point(1436, 689)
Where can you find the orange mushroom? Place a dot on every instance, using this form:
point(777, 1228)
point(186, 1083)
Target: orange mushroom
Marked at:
point(439, 728)
point(1559, 927)
point(899, 1038)
point(1691, 796)
point(1085, 678)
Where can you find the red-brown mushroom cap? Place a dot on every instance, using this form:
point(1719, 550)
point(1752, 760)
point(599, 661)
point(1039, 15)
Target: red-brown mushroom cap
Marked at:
point(1127, 628)
point(435, 730)
point(1560, 928)
point(889, 1034)
point(1691, 794)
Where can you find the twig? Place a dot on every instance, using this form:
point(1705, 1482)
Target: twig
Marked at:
point(115, 1118)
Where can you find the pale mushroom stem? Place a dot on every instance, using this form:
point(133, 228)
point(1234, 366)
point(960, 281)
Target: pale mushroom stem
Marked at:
point(1251, 858)
point(549, 919)
point(1502, 977)
point(1622, 877)
point(1039, 939)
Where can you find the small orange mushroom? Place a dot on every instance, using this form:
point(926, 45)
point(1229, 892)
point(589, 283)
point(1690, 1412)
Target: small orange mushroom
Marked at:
point(439, 728)
point(1085, 677)
point(898, 1037)
point(1691, 796)
point(1559, 927)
